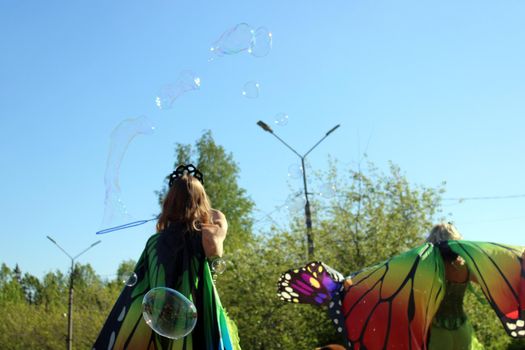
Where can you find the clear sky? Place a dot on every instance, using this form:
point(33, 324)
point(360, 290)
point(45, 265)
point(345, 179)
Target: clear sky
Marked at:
point(436, 87)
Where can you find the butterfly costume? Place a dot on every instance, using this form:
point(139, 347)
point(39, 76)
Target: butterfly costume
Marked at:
point(398, 303)
point(175, 259)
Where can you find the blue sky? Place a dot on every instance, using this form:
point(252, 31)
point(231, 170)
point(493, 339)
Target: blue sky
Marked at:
point(435, 87)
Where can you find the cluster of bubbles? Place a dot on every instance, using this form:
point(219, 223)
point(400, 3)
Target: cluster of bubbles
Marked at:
point(169, 313)
point(115, 210)
point(243, 38)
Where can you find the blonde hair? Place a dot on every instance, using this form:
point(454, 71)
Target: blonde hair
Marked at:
point(186, 202)
point(444, 231)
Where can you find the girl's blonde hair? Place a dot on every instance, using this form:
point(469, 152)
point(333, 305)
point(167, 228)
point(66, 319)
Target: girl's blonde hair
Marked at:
point(443, 232)
point(186, 203)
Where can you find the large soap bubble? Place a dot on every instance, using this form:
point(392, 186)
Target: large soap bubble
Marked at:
point(169, 313)
point(115, 210)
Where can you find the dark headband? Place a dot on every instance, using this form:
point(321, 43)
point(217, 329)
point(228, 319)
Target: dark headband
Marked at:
point(189, 169)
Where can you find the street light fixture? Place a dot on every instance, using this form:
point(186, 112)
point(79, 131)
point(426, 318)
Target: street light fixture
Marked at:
point(70, 304)
point(307, 212)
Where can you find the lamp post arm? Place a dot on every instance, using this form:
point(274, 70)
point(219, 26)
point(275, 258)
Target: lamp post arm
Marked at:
point(287, 145)
point(321, 140)
point(59, 247)
point(85, 250)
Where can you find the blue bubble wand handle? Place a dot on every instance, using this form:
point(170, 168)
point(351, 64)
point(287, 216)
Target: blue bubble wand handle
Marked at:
point(124, 226)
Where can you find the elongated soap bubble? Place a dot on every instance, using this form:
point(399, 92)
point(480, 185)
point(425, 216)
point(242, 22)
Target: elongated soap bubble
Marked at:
point(115, 210)
point(168, 93)
point(169, 313)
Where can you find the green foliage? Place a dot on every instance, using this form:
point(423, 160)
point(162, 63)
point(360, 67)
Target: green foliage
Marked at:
point(372, 216)
point(35, 312)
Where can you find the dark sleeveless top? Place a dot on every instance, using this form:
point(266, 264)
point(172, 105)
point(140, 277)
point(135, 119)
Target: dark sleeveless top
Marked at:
point(450, 314)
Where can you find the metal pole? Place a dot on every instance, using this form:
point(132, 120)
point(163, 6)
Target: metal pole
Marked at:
point(69, 340)
point(308, 217)
point(70, 309)
point(307, 211)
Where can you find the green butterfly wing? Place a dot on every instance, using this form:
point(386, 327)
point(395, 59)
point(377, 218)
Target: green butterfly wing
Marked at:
point(175, 260)
point(500, 271)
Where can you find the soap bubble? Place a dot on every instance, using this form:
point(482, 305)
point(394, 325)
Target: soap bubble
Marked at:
point(242, 37)
point(168, 312)
point(261, 43)
point(327, 190)
point(218, 266)
point(295, 171)
point(251, 89)
point(280, 119)
point(234, 40)
point(129, 278)
point(187, 81)
point(295, 202)
point(115, 210)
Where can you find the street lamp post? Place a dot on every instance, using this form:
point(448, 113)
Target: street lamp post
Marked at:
point(70, 304)
point(307, 212)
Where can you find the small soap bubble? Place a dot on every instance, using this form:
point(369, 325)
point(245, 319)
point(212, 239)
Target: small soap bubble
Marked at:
point(295, 203)
point(280, 119)
point(251, 89)
point(218, 266)
point(129, 278)
point(168, 93)
point(295, 171)
point(261, 43)
point(327, 190)
point(169, 313)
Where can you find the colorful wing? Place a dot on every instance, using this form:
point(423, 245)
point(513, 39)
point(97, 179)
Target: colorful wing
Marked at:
point(172, 261)
point(124, 327)
point(391, 305)
point(500, 271)
point(315, 283)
